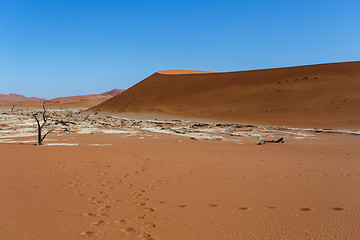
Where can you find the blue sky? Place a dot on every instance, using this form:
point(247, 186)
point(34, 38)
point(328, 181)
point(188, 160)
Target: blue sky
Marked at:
point(51, 48)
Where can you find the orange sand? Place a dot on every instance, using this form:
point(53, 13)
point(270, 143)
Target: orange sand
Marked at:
point(159, 188)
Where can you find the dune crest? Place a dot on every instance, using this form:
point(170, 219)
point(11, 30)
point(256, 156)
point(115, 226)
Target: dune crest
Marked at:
point(176, 72)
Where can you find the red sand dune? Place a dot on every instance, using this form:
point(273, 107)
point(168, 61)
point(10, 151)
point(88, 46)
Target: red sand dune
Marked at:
point(322, 96)
point(104, 95)
point(18, 98)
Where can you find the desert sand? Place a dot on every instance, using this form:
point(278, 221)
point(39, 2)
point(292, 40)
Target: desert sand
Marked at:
point(109, 177)
point(177, 157)
point(323, 96)
point(161, 188)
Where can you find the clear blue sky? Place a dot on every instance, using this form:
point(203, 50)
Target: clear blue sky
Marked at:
point(51, 48)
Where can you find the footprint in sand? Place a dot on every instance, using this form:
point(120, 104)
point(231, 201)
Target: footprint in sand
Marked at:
point(338, 208)
point(145, 235)
point(127, 230)
point(305, 209)
point(150, 225)
point(86, 233)
point(104, 207)
point(243, 208)
point(122, 221)
point(213, 205)
point(97, 223)
point(95, 202)
point(272, 207)
point(149, 209)
point(183, 206)
point(140, 217)
point(88, 214)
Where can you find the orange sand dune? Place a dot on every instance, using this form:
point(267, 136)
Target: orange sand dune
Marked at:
point(323, 96)
point(104, 95)
point(18, 98)
point(81, 101)
point(49, 104)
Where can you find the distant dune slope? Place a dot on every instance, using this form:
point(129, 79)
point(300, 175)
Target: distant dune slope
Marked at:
point(81, 101)
point(104, 95)
point(322, 96)
point(18, 98)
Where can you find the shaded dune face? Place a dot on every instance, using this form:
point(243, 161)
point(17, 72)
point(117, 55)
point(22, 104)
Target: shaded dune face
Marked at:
point(322, 96)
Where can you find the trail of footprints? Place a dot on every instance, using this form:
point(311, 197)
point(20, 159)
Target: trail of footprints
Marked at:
point(245, 208)
point(303, 209)
point(101, 203)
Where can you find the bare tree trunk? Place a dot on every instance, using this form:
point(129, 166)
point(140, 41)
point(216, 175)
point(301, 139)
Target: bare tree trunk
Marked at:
point(41, 139)
point(39, 130)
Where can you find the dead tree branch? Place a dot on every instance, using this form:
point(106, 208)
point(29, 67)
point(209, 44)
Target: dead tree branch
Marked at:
point(42, 139)
point(65, 123)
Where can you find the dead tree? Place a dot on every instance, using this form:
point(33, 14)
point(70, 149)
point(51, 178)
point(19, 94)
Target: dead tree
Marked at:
point(40, 127)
